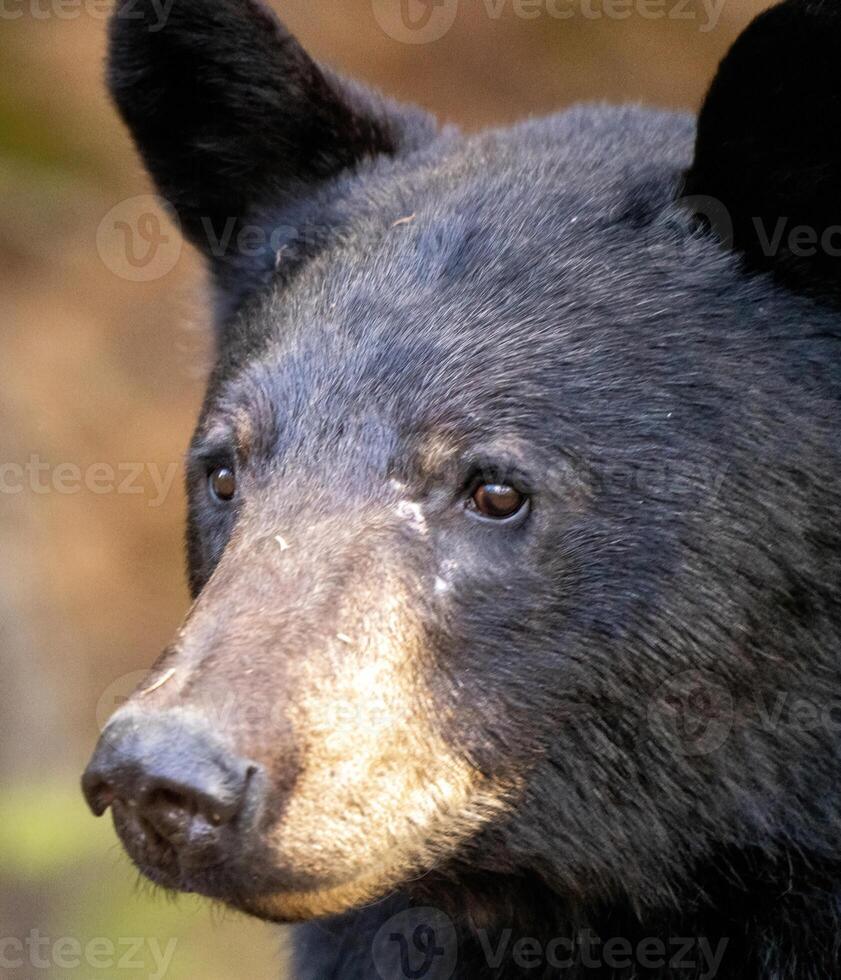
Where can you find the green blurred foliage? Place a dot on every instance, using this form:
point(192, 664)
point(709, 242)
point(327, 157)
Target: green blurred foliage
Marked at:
point(98, 919)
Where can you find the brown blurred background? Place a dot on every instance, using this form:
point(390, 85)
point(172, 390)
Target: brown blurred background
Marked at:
point(101, 370)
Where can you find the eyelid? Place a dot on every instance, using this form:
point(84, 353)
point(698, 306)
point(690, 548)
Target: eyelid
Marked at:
point(204, 459)
point(498, 472)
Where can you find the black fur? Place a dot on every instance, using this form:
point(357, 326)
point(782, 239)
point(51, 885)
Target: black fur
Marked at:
point(540, 300)
point(231, 114)
point(769, 143)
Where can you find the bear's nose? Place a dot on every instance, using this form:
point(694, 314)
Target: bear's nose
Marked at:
point(173, 786)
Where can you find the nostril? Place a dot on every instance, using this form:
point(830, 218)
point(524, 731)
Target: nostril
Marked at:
point(169, 799)
point(169, 812)
point(98, 792)
point(180, 801)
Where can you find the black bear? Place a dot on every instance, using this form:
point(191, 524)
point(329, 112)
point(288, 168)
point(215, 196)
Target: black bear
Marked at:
point(514, 527)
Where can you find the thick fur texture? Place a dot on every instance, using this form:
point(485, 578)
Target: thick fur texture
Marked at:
point(769, 144)
point(593, 720)
point(230, 113)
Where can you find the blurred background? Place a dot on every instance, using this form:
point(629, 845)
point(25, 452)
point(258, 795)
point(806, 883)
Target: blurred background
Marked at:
point(103, 351)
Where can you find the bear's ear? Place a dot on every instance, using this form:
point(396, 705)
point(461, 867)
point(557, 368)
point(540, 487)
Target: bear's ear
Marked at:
point(230, 113)
point(769, 144)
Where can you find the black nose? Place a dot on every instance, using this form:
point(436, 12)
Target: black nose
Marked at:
point(175, 788)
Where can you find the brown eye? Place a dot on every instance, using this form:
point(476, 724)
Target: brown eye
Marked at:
point(223, 484)
point(498, 502)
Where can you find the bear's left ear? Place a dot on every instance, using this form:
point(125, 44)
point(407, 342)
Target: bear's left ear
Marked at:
point(769, 144)
point(231, 114)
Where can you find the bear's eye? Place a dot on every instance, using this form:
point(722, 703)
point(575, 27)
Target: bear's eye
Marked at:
point(497, 501)
point(223, 483)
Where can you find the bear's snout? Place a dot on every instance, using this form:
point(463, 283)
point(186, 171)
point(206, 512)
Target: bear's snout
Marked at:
point(182, 801)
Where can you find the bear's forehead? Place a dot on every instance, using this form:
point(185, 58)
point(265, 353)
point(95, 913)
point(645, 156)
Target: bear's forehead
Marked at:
point(504, 274)
point(509, 211)
point(488, 232)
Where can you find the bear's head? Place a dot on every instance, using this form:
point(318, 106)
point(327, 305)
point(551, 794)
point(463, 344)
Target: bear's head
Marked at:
point(511, 502)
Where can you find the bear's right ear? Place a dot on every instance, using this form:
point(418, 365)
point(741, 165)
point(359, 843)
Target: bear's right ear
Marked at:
point(769, 145)
point(230, 113)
